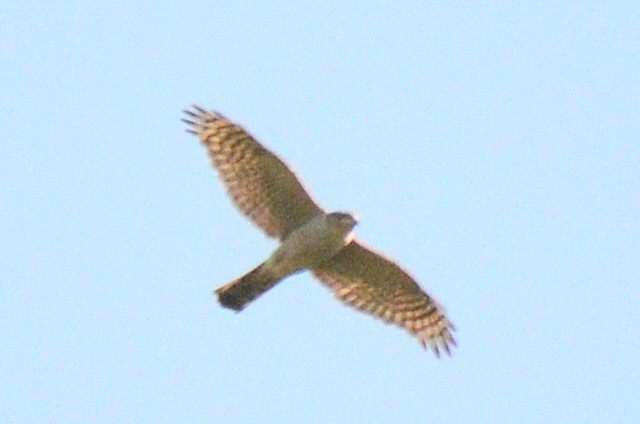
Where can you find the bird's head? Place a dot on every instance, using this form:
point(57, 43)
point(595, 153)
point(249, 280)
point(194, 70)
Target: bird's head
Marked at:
point(342, 220)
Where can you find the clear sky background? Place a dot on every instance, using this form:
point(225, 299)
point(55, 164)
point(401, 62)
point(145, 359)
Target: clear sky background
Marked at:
point(492, 149)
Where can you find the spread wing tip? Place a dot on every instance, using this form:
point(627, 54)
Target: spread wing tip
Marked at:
point(202, 114)
point(198, 119)
point(438, 343)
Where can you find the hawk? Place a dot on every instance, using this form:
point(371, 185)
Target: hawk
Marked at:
point(265, 190)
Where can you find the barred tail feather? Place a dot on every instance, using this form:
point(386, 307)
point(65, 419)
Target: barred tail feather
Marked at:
point(239, 293)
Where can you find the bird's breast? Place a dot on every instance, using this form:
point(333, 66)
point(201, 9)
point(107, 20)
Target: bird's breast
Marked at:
point(309, 245)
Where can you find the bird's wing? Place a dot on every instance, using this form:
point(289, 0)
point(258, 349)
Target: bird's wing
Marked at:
point(260, 184)
point(367, 281)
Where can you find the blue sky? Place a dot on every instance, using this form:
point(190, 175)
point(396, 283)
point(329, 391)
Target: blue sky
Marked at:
point(492, 149)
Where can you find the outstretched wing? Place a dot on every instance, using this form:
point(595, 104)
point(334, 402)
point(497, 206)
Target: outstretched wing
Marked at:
point(260, 184)
point(375, 285)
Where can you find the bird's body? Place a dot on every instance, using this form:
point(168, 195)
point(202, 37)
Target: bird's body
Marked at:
point(317, 241)
point(268, 192)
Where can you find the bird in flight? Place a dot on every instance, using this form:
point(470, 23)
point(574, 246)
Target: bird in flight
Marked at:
point(265, 190)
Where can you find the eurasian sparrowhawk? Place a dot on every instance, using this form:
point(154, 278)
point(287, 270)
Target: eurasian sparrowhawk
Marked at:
point(268, 192)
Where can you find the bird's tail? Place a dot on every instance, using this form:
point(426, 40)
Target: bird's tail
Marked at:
point(239, 293)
